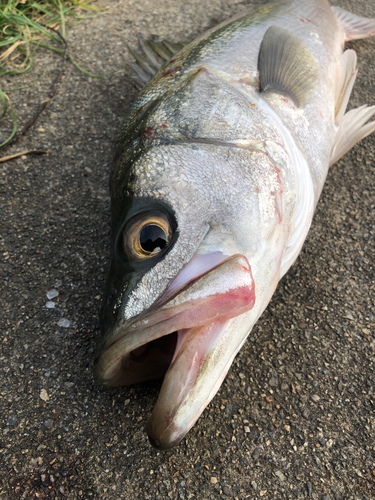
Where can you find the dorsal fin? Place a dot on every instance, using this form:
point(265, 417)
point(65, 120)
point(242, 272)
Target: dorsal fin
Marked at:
point(286, 65)
point(150, 57)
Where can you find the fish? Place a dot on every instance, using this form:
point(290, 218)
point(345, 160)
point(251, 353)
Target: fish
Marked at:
point(215, 179)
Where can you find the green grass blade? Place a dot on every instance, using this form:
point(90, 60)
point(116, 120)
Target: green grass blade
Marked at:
point(18, 71)
point(62, 18)
point(9, 4)
point(86, 6)
point(20, 20)
point(5, 103)
point(41, 8)
point(87, 73)
point(10, 41)
point(14, 119)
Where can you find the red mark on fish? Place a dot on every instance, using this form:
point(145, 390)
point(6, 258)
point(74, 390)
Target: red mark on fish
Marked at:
point(148, 132)
point(171, 70)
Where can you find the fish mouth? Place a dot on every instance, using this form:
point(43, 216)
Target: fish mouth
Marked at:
point(189, 337)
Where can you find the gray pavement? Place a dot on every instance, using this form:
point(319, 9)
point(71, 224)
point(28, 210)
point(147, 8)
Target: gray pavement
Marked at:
point(294, 418)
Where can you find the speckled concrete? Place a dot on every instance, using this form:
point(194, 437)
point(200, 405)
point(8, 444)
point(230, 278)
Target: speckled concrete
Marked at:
point(295, 416)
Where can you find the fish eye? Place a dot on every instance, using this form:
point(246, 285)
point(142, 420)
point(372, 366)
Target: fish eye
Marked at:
point(147, 236)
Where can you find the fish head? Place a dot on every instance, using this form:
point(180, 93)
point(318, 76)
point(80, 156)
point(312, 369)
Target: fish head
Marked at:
point(193, 264)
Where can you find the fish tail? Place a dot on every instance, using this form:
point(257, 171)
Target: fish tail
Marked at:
point(355, 27)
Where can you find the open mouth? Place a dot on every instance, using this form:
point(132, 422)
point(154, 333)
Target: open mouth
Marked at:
point(150, 361)
point(183, 338)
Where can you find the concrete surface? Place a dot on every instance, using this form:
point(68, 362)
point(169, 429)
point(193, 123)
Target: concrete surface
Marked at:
point(295, 416)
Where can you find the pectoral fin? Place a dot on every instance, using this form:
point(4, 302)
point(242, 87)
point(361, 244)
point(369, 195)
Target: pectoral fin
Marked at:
point(352, 129)
point(347, 73)
point(355, 27)
point(352, 126)
point(286, 65)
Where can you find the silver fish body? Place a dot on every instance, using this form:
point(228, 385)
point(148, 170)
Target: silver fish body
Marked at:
point(214, 186)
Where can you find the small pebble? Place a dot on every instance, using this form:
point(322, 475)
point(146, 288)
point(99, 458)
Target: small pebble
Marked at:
point(227, 491)
point(315, 398)
point(64, 323)
point(51, 294)
point(256, 454)
point(273, 382)
point(12, 419)
point(213, 480)
point(309, 489)
point(44, 395)
point(329, 443)
point(50, 305)
point(280, 475)
point(48, 423)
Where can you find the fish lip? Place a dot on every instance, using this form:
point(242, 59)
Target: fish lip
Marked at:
point(167, 296)
point(107, 360)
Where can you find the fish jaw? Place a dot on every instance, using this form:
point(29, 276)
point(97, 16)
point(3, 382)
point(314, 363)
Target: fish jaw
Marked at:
point(192, 380)
point(187, 335)
point(225, 291)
